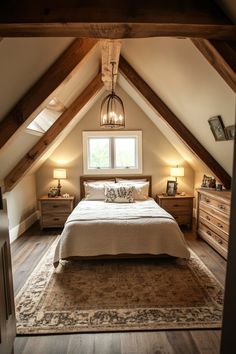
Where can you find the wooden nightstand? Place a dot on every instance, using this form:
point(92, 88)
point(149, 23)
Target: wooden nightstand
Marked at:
point(180, 207)
point(55, 211)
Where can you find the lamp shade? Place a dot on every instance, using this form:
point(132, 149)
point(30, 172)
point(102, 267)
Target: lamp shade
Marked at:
point(177, 171)
point(59, 173)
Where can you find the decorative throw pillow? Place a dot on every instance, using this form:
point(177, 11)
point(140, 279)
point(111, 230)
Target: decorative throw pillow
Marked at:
point(119, 194)
point(141, 189)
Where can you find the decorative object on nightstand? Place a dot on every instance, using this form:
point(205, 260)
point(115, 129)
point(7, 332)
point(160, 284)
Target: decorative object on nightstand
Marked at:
point(176, 172)
point(180, 207)
point(213, 218)
point(55, 211)
point(171, 188)
point(59, 173)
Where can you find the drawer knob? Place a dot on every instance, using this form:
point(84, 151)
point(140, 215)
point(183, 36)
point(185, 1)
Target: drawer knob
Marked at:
point(220, 242)
point(207, 200)
point(56, 219)
point(176, 205)
point(209, 232)
point(222, 207)
point(220, 225)
point(208, 218)
point(55, 206)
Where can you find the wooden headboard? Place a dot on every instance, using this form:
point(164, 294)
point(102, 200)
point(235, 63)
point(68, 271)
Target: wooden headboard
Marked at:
point(112, 178)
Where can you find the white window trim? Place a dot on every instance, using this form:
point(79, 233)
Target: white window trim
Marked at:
point(113, 171)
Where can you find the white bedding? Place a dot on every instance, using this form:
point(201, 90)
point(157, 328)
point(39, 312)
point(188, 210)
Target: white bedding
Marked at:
point(98, 228)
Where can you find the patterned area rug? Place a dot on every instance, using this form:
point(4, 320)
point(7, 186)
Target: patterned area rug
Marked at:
point(93, 296)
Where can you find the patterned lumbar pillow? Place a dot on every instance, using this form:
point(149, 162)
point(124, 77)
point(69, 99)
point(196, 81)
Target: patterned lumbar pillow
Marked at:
point(119, 194)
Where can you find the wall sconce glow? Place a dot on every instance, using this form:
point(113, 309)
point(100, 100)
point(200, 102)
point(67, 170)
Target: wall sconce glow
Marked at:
point(59, 173)
point(177, 172)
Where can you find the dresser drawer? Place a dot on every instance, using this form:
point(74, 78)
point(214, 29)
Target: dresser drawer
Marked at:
point(213, 240)
point(54, 220)
point(178, 205)
point(215, 213)
point(211, 234)
point(183, 219)
point(219, 224)
point(50, 206)
point(220, 206)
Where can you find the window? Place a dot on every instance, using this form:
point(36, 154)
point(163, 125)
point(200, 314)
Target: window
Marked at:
point(112, 152)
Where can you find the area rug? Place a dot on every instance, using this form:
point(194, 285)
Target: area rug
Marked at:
point(124, 295)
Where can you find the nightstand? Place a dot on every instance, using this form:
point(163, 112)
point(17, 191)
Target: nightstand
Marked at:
point(55, 211)
point(180, 207)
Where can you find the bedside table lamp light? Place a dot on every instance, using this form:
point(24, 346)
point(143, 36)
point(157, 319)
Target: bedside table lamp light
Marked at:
point(177, 172)
point(59, 173)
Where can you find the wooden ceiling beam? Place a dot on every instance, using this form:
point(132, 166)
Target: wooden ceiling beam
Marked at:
point(45, 86)
point(28, 161)
point(173, 121)
point(110, 54)
point(222, 56)
point(115, 20)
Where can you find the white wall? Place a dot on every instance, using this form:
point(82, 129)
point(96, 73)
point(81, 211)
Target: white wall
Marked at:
point(189, 85)
point(22, 62)
point(158, 153)
point(21, 206)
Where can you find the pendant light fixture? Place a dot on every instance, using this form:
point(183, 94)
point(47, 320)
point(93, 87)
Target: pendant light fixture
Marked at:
point(112, 109)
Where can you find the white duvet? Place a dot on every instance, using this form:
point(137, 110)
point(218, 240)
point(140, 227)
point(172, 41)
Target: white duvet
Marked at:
point(98, 228)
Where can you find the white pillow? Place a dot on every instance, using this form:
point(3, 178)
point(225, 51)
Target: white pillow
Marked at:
point(141, 189)
point(119, 194)
point(123, 180)
point(96, 191)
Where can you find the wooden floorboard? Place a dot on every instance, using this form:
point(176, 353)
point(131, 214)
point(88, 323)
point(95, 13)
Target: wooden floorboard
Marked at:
point(28, 249)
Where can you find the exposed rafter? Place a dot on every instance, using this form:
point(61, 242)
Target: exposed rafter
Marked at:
point(222, 56)
point(110, 54)
point(28, 161)
point(186, 136)
point(41, 92)
point(116, 19)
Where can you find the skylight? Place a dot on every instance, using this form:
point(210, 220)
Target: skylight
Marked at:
point(45, 119)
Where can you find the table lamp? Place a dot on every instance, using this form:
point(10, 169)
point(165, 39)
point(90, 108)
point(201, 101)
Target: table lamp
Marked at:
point(176, 172)
point(59, 173)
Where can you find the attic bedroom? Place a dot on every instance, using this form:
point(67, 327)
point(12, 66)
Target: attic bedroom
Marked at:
point(119, 238)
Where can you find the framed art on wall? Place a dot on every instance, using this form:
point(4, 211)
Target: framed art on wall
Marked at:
point(230, 132)
point(217, 128)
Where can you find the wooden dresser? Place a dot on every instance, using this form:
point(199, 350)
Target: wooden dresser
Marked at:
point(213, 218)
point(55, 211)
point(180, 207)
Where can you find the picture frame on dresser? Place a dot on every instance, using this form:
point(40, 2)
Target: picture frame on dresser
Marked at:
point(171, 188)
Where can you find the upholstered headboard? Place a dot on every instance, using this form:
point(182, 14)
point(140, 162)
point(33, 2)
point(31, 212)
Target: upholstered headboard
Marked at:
point(112, 178)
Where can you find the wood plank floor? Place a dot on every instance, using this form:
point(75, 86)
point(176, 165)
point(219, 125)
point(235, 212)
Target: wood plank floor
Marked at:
point(28, 249)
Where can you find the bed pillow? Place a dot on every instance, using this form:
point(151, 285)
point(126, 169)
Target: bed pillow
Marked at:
point(141, 189)
point(123, 180)
point(96, 191)
point(119, 194)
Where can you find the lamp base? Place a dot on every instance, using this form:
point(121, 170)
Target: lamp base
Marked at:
point(59, 189)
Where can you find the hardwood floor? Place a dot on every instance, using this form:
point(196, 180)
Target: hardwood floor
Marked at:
point(28, 249)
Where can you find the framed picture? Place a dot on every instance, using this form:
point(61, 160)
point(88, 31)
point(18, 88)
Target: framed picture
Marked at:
point(230, 132)
point(171, 188)
point(217, 128)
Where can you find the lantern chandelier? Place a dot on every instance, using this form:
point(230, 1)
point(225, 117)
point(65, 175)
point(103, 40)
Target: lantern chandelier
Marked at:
point(112, 108)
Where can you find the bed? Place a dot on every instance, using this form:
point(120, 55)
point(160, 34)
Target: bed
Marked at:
point(97, 228)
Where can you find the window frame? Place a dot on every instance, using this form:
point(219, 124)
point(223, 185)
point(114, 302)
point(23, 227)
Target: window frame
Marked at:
point(112, 134)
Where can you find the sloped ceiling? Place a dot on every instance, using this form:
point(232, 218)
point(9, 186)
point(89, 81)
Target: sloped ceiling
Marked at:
point(189, 86)
point(174, 69)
